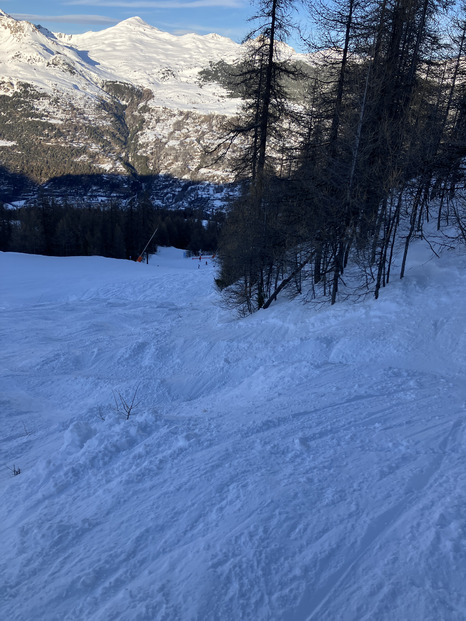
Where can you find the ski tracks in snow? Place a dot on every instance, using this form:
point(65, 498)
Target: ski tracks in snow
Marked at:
point(291, 466)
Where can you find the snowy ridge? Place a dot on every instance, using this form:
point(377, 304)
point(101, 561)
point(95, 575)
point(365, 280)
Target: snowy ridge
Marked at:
point(132, 51)
point(33, 55)
point(299, 464)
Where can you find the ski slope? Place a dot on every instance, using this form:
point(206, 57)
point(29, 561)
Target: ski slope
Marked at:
point(299, 464)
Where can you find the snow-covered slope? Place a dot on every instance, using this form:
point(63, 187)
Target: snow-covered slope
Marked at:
point(299, 464)
point(169, 65)
point(131, 52)
point(33, 55)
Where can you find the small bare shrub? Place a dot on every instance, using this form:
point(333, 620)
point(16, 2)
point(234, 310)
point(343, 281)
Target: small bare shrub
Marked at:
point(125, 406)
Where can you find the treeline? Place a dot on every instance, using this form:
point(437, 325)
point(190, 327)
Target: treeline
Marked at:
point(112, 230)
point(347, 181)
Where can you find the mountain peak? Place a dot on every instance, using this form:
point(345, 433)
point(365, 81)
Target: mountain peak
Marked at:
point(20, 30)
point(5, 18)
point(135, 23)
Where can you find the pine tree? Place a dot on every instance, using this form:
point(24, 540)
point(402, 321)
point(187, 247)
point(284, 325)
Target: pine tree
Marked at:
point(252, 258)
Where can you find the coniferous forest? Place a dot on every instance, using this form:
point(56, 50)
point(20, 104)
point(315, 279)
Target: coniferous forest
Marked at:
point(348, 180)
point(115, 229)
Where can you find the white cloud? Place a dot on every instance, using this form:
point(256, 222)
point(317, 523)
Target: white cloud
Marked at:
point(159, 4)
point(66, 19)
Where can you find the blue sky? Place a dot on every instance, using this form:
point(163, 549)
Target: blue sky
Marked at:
point(225, 17)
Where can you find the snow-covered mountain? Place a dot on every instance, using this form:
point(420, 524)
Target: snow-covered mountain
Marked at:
point(131, 52)
point(128, 98)
point(168, 65)
point(33, 55)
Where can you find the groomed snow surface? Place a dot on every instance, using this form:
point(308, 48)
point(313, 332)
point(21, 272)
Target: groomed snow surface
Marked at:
point(299, 464)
